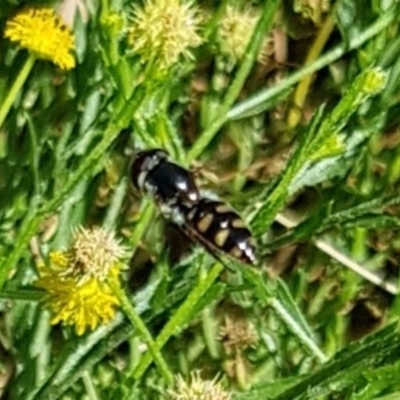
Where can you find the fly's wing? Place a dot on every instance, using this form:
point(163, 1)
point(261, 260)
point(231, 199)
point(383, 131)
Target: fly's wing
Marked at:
point(198, 238)
point(219, 230)
point(178, 243)
point(218, 253)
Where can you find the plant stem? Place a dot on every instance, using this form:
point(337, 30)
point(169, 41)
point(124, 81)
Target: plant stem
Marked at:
point(145, 217)
point(16, 87)
point(89, 386)
point(293, 325)
point(338, 255)
point(317, 143)
point(179, 319)
point(263, 26)
point(300, 94)
point(256, 103)
point(32, 221)
point(29, 227)
point(109, 136)
point(34, 152)
point(31, 295)
point(140, 326)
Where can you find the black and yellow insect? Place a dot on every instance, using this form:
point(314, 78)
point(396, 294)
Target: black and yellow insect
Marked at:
point(212, 224)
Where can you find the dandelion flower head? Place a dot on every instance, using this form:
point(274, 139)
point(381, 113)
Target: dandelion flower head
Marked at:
point(314, 10)
point(93, 254)
point(198, 389)
point(235, 31)
point(84, 307)
point(237, 333)
point(163, 31)
point(43, 32)
point(77, 281)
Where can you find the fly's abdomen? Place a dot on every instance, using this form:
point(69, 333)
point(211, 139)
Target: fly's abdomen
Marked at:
point(222, 228)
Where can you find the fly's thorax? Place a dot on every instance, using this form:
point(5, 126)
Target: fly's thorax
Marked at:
point(167, 182)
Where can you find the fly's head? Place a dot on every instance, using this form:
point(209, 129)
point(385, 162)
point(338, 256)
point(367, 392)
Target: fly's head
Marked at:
point(145, 162)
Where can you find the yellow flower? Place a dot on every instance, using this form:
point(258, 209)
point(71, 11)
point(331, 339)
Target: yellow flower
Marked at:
point(83, 306)
point(77, 281)
point(198, 389)
point(43, 32)
point(163, 31)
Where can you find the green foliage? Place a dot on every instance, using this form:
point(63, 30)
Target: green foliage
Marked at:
point(302, 320)
point(361, 371)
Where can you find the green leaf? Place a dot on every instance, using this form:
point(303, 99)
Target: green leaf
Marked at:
point(318, 134)
point(352, 18)
point(346, 370)
point(332, 167)
point(286, 309)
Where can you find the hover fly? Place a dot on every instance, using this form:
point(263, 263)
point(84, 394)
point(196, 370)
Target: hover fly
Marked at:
point(211, 223)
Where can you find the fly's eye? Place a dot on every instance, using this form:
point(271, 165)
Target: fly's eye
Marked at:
point(144, 162)
point(156, 155)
